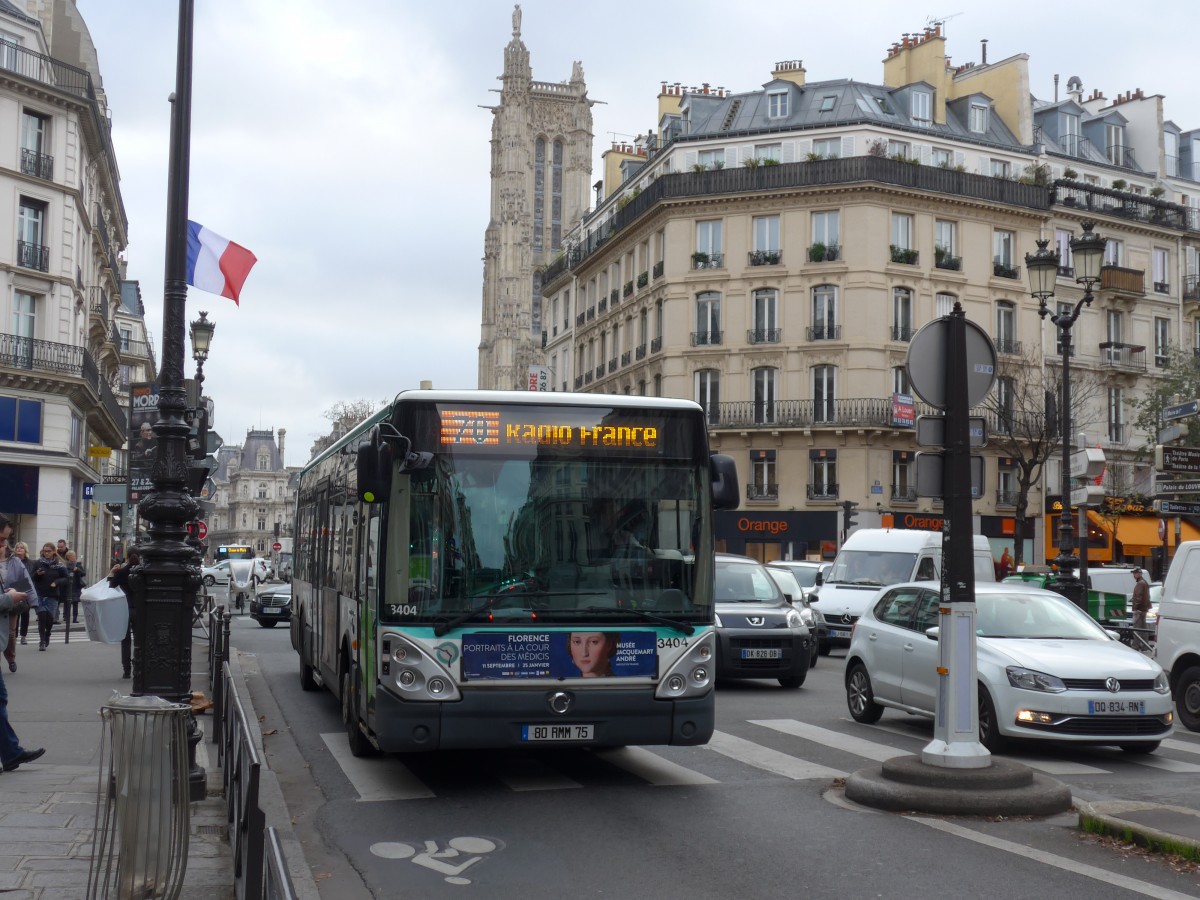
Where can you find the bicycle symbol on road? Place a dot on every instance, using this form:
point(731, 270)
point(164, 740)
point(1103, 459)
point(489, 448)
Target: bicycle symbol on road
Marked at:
point(433, 858)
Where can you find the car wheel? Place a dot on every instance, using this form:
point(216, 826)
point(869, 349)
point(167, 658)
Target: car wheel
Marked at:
point(860, 698)
point(270, 623)
point(989, 730)
point(1187, 702)
point(794, 681)
point(826, 648)
point(359, 745)
point(209, 581)
point(1141, 747)
point(813, 655)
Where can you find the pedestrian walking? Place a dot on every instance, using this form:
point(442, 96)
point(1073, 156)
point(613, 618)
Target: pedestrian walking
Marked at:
point(78, 574)
point(17, 588)
point(50, 579)
point(1141, 599)
point(119, 577)
point(21, 550)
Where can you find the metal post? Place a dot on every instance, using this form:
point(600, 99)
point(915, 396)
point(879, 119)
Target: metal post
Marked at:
point(166, 582)
point(1065, 582)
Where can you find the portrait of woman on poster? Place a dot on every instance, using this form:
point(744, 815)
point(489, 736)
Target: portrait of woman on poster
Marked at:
point(592, 652)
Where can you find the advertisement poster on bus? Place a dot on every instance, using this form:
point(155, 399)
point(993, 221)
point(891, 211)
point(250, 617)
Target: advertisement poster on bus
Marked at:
point(563, 654)
point(143, 445)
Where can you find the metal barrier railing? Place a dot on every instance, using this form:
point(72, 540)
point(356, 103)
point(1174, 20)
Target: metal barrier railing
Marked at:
point(277, 883)
point(218, 655)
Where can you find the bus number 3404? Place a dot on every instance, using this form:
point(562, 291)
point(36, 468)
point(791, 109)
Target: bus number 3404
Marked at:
point(402, 609)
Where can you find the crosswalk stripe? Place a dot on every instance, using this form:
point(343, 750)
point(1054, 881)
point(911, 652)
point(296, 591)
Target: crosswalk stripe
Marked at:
point(651, 767)
point(835, 739)
point(765, 758)
point(1167, 765)
point(376, 779)
point(1183, 746)
point(526, 773)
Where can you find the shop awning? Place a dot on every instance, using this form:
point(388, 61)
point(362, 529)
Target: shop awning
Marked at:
point(1138, 535)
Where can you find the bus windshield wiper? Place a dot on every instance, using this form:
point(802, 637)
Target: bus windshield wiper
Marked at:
point(642, 614)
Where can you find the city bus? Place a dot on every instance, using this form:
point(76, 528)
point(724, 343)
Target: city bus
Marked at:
point(489, 569)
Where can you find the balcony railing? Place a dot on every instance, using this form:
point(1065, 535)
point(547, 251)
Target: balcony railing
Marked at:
point(39, 165)
point(824, 252)
point(639, 352)
point(615, 296)
point(943, 260)
point(824, 332)
point(765, 257)
point(705, 338)
point(1191, 287)
point(1006, 498)
point(655, 344)
point(1004, 270)
point(579, 381)
point(904, 255)
point(903, 332)
point(822, 491)
point(845, 170)
point(1126, 281)
point(581, 318)
point(1066, 271)
point(763, 335)
point(626, 357)
point(628, 288)
point(1127, 205)
point(1162, 287)
point(33, 256)
point(587, 377)
point(612, 365)
point(603, 304)
point(591, 313)
point(1124, 357)
point(643, 280)
point(864, 411)
point(904, 493)
point(62, 359)
point(600, 371)
point(658, 269)
point(708, 260)
point(762, 492)
point(1008, 345)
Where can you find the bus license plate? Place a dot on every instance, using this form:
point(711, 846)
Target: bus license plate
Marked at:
point(768, 653)
point(1116, 707)
point(557, 732)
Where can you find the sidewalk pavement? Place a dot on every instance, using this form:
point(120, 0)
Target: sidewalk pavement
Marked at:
point(48, 807)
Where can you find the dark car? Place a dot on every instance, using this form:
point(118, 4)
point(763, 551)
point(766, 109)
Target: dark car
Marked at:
point(759, 634)
point(272, 603)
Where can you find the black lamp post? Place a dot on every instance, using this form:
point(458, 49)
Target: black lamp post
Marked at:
point(202, 331)
point(1087, 254)
point(165, 583)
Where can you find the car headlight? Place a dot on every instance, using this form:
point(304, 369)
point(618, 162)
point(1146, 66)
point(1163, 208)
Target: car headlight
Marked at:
point(793, 619)
point(1161, 685)
point(1031, 680)
point(807, 617)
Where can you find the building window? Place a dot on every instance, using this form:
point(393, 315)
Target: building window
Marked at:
point(900, 382)
point(35, 142)
point(1001, 168)
point(773, 152)
point(556, 189)
point(899, 149)
point(1006, 327)
point(827, 103)
point(825, 229)
point(921, 106)
point(75, 445)
point(766, 316)
point(1114, 252)
point(766, 235)
point(977, 119)
point(827, 148)
point(1162, 342)
point(942, 158)
point(1005, 388)
point(712, 159)
point(20, 420)
point(31, 230)
point(824, 382)
point(822, 474)
point(824, 313)
point(777, 104)
point(1114, 324)
point(763, 483)
point(1069, 136)
point(263, 463)
point(262, 490)
point(904, 479)
point(1062, 241)
point(708, 242)
point(708, 319)
point(902, 230)
point(539, 192)
point(1006, 483)
point(1161, 281)
point(1002, 249)
point(902, 314)
point(708, 393)
point(1114, 136)
point(943, 304)
point(764, 381)
point(1116, 414)
point(945, 236)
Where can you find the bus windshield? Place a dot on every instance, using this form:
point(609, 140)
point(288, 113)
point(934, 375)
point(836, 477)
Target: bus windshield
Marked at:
point(553, 536)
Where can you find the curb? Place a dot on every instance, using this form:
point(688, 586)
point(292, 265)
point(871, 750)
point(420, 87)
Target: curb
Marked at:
point(1125, 819)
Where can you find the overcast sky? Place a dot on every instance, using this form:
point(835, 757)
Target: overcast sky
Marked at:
point(344, 144)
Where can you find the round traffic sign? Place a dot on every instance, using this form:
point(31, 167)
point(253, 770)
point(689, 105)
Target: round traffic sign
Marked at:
point(926, 362)
point(201, 530)
point(277, 546)
point(1162, 529)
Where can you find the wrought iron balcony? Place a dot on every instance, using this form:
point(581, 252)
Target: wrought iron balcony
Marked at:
point(1191, 287)
point(587, 377)
point(703, 260)
point(705, 338)
point(579, 381)
point(1123, 357)
point(600, 371)
point(1162, 287)
point(32, 355)
point(615, 296)
point(591, 313)
point(658, 269)
point(824, 332)
point(39, 165)
point(1004, 270)
point(1006, 498)
point(643, 280)
point(626, 358)
point(655, 344)
point(33, 256)
point(544, 339)
point(903, 332)
point(603, 305)
point(904, 255)
point(581, 318)
point(819, 252)
point(765, 257)
point(628, 288)
point(762, 492)
point(1125, 204)
point(763, 335)
point(1008, 345)
point(639, 352)
point(904, 493)
point(612, 365)
point(822, 491)
point(943, 259)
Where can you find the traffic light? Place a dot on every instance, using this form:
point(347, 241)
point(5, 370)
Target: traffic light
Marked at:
point(848, 515)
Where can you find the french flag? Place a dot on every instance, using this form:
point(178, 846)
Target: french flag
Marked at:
point(215, 264)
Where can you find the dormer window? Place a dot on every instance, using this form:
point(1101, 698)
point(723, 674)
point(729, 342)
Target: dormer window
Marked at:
point(1114, 136)
point(922, 104)
point(977, 120)
point(777, 104)
point(827, 103)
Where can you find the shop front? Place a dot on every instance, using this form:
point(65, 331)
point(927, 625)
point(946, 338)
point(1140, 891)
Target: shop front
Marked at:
point(1125, 532)
point(766, 536)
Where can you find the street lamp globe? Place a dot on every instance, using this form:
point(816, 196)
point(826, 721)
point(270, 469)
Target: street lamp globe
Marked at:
point(202, 332)
point(1087, 252)
point(1042, 267)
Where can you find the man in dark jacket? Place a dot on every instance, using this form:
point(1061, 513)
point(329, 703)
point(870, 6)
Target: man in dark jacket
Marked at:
point(119, 577)
point(1141, 599)
point(14, 587)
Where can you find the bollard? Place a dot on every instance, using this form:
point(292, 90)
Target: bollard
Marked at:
point(140, 842)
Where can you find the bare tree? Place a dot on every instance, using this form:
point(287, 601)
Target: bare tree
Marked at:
point(1023, 424)
point(343, 416)
point(1179, 383)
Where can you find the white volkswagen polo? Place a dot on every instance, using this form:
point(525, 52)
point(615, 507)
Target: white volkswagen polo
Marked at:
point(1046, 669)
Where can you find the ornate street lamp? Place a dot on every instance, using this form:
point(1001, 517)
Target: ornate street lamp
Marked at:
point(1087, 254)
point(202, 332)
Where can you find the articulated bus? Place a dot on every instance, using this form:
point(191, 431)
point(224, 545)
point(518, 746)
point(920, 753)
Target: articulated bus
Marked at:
point(487, 569)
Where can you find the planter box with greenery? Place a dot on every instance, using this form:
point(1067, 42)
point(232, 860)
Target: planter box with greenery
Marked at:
point(1000, 270)
point(765, 257)
point(699, 260)
point(643, 279)
point(943, 259)
point(904, 255)
point(628, 288)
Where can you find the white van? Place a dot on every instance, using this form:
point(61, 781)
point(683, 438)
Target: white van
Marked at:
point(1178, 644)
point(873, 558)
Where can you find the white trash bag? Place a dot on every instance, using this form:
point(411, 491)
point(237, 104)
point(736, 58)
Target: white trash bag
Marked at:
point(105, 612)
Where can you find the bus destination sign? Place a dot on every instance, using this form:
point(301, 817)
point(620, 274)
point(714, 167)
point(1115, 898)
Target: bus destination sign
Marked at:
point(493, 428)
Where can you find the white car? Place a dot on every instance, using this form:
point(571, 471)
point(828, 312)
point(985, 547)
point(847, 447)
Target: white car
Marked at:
point(791, 588)
point(1047, 670)
point(216, 576)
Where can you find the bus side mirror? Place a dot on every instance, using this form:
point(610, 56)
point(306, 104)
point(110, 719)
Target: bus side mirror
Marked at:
point(373, 466)
point(725, 492)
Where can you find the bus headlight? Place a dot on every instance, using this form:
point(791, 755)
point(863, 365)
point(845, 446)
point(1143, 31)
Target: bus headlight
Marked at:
point(418, 675)
point(691, 675)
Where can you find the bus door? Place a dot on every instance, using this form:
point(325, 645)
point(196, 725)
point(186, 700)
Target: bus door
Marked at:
point(368, 601)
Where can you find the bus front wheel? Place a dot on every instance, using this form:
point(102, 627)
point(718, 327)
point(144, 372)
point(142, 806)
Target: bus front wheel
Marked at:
point(359, 745)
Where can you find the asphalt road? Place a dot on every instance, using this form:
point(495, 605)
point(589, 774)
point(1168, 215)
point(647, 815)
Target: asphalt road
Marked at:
point(756, 813)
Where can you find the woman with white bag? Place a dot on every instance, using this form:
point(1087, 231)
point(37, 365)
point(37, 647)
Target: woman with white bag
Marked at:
point(119, 578)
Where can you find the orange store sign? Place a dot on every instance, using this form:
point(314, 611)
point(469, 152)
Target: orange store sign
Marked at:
point(771, 526)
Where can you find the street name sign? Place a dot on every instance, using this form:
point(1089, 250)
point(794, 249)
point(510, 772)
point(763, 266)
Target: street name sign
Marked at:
point(1181, 410)
point(1177, 459)
point(1177, 508)
point(1170, 486)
